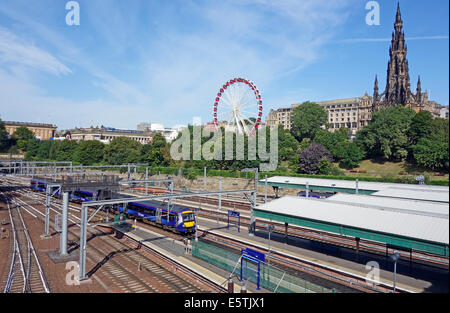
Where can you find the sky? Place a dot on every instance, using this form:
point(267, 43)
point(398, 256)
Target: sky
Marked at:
point(158, 61)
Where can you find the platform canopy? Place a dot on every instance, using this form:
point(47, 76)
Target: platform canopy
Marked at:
point(415, 194)
point(346, 186)
point(396, 228)
point(437, 209)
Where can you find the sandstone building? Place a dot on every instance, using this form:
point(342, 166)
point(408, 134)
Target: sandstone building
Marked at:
point(40, 131)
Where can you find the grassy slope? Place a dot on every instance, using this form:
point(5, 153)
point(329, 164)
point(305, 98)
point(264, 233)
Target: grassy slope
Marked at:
point(383, 168)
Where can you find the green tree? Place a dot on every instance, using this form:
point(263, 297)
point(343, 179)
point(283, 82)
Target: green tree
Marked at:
point(89, 152)
point(21, 136)
point(336, 142)
point(420, 127)
point(122, 150)
point(387, 134)
point(154, 152)
point(439, 130)
point(351, 156)
point(32, 149)
point(325, 166)
point(432, 154)
point(287, 145)
point(5, 141)
point(307, 120)
point(43, 152)
point(23, 133)
point(431, 150)
point(66, 150)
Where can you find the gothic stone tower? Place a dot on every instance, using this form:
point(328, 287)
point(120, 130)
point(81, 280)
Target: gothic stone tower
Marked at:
point(398, 89)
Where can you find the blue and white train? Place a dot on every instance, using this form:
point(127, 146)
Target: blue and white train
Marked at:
point(76, 196)
point(177, 218)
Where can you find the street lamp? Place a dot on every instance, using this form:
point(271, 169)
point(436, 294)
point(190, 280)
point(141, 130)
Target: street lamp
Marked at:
point(254, 195)
point(394, 258)
point(270, 229)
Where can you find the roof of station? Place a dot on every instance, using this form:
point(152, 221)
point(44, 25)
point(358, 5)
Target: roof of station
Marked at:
point(436, 209)
point(351, 184)
point(414, 193)
point(397, 223)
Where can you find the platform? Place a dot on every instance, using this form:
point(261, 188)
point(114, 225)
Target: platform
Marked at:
point(412, 277)
point(175, 250)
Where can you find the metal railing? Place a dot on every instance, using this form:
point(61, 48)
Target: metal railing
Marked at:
point(272, 278)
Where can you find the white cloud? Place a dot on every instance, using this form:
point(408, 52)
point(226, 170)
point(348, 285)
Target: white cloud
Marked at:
point(17, 51)
point(357, 40)
point(263, 41)
point(180, 67)
point(25, 101)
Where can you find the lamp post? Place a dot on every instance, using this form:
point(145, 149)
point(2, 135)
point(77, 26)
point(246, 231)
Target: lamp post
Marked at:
point(270, 229)
point(252, 226)
point(394, 258)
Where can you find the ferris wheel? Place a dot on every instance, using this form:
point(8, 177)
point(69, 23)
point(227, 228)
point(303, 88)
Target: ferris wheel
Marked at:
point(238, 107)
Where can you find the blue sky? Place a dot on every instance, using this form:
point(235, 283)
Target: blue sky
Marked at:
point(164, 61)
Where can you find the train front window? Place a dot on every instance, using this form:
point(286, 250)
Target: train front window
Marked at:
point(188, 217)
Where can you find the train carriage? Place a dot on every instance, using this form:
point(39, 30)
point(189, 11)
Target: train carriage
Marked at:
point(76, 196)
point(177, 218)
point(39, 185)
point(84, 195)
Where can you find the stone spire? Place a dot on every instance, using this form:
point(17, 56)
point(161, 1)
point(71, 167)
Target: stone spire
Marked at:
point(419, 91)
point(375, 90)
point(397, 83)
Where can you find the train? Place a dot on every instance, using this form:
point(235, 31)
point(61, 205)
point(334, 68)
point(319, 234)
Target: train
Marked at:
point(76, 196)
point(317, 195)
point(178, 219)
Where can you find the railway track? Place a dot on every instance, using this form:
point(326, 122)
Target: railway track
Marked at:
point(297, 231)
point(119, 263)
point(318, 236)
point(25, 274)
point(308, 234)
point(346, 279)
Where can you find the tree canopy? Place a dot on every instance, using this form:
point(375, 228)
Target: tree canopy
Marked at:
point(4, 138)
point(307, 119)
point(311, 157)
point(87, 152)
point(387, 134)
point(122, 150)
